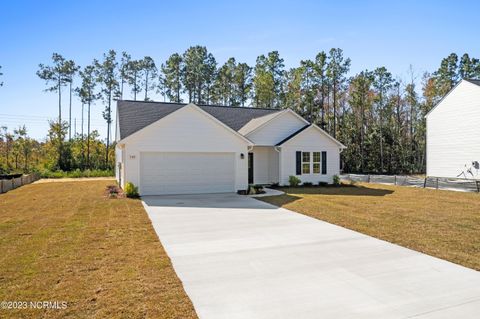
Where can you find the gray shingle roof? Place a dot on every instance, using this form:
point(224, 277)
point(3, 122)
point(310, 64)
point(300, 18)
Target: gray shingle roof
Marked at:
point(477, 82)
point(135, 115)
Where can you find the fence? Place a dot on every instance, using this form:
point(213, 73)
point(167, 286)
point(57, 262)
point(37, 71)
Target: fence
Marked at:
point(456, 184)
point(9, 184)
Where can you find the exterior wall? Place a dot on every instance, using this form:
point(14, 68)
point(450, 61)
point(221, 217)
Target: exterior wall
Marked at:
point(119, 171)
point(453, 132)
point(310, 140)
point(265, 165)
point(276, 130)
point(186, 130)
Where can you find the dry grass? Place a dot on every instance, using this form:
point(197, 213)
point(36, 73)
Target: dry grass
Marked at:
point(68, 242)
point(444, 224)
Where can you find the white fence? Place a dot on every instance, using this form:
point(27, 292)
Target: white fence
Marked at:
point(456, 184)
point(9, 184)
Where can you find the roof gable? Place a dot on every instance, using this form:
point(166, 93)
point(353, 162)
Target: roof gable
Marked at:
point(135, 115)
point(198, 109)
point(461, 82)
point(308, 127)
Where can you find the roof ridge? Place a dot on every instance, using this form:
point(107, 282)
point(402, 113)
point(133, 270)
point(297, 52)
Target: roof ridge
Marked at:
point(208, 105)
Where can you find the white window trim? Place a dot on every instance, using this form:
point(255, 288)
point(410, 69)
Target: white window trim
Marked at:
point(319, 162)
point(309, 163)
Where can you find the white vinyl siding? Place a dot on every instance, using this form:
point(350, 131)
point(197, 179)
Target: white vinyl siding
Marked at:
point(276, 129)
point(453, 132)
point(309, 140)
point(265, 165)
point(187, 173)
point(186, 130)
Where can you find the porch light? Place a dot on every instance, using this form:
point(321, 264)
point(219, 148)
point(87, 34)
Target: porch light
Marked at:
point(242, 156)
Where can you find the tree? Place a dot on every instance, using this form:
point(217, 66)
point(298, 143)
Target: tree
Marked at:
point(268, 80)
point(88, 96)
point(172, 77)
point(149, 71)
point(123, 71)
point(224, 83)
point(56, 76)
point(447, 74)
point(70, 70)
point(382, 82)
point(24, 145)
point(106, 74)
point(337, 69)
point(321, 83)
point(56, 136)
point(361, 102)
point(242, 79)
point(198, 73)
point(134, 68)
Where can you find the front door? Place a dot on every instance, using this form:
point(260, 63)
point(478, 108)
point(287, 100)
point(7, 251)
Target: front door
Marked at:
point(250, 168)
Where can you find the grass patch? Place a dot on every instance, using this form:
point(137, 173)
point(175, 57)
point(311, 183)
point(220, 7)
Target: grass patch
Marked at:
point(444, 224)
point(69, 242)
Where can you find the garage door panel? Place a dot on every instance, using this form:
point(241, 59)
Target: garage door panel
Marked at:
point(187, 173)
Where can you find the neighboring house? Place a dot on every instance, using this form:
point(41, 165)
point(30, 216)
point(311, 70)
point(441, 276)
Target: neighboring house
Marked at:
point(173, 148)
point(453, 133)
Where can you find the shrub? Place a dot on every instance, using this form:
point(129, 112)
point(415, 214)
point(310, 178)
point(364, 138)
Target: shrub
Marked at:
point(323, 184)
point(336, 180)
point(308, 184)
point(131, 190)
point(76, 173)
point(256, 189)
point(275, 185)
point(294, 181)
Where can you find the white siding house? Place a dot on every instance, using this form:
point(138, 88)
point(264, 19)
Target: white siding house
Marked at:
point(453, 133)
point(171, 148)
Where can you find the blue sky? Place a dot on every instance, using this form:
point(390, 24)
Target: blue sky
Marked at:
point(372, 33)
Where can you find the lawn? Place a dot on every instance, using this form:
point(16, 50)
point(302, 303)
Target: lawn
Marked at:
point(444, 224)
point(68, 242)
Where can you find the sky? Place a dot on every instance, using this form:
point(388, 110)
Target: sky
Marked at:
point(394, 34)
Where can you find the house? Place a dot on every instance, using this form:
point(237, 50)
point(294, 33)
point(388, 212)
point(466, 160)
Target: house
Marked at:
point(453, 133)
point(175, 148)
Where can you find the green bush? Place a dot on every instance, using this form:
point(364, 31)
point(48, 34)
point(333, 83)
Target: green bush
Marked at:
point(336, 180)
point(308, 184)
point(76, 173)
point(131, 190)
point(294, 181)
point(323, 184)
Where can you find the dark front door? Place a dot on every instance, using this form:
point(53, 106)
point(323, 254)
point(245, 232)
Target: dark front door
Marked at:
point(250, 168)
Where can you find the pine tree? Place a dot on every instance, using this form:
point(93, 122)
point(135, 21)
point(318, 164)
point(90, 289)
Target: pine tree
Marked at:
point(172, 77)
point(123, 71)
point(337, 69)
point(56, 76)
point(70, 70)
point(149, 72)
point(242, 83)
point(107, 74)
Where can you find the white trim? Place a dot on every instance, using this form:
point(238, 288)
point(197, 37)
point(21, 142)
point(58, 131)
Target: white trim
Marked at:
point(274, 117)
point(321, 131)
point(195, 107)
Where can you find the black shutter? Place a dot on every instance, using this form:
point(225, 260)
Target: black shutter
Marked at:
point(324, 163)
point(299, 162)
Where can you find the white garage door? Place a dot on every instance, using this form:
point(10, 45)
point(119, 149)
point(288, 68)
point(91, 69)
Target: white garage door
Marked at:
point(186, 173)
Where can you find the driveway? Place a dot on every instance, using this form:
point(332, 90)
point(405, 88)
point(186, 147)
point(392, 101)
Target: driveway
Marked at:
point(242, 258)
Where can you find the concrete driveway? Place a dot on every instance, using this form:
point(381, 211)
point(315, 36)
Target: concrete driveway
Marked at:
point(241, 258)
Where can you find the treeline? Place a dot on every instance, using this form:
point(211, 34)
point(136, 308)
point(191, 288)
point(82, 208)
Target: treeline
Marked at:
point(379, 117)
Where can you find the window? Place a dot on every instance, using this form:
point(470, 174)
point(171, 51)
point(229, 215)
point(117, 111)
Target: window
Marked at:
point(305, 162)
point(316, 162)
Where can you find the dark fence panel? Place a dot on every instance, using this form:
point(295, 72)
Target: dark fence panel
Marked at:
point(19, 180)
point(456, 184)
